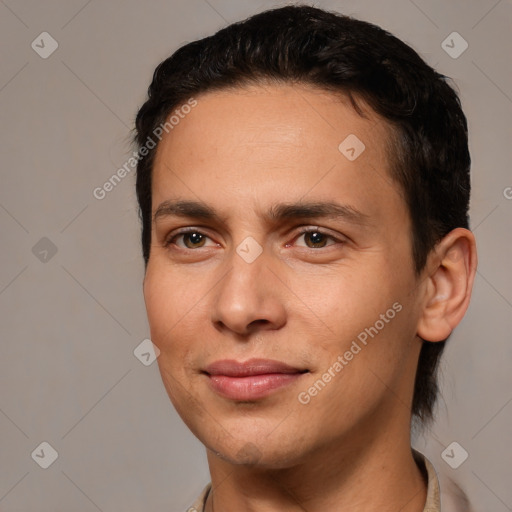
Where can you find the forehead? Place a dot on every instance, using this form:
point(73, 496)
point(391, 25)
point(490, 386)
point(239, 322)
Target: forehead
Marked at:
point(294, 114)
point(297, 138)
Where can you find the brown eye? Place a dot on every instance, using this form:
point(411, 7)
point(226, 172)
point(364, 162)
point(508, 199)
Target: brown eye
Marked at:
point(315, 239)
point(191, 239)
point(195, 239)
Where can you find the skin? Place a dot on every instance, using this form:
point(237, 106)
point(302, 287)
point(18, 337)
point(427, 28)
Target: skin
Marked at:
point(241, 151)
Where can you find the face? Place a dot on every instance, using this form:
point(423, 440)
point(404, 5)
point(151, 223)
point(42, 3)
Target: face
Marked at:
point(280, 287)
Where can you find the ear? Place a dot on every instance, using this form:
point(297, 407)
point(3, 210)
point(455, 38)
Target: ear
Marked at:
point(451, 272)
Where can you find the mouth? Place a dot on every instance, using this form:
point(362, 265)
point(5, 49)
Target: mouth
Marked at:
point(250, 380)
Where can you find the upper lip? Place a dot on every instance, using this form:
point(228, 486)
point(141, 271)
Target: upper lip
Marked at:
point(232, 368)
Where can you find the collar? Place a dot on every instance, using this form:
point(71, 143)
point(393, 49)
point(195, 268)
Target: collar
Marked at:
point(433, 502)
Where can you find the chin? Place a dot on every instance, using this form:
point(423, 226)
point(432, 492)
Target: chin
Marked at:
point(280, 452)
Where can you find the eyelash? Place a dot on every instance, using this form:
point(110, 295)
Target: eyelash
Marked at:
point(305, 231)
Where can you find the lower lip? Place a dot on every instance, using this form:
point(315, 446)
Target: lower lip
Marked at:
point(251, 387)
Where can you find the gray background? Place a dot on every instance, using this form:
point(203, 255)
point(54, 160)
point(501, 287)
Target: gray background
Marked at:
point(70, 321)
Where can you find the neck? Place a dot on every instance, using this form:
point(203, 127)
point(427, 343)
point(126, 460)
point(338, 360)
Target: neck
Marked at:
point(352, 474)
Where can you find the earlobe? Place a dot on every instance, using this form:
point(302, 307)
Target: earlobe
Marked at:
point(451, 273)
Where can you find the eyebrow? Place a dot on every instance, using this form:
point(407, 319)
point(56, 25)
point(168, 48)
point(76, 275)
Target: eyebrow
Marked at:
point(277, 212)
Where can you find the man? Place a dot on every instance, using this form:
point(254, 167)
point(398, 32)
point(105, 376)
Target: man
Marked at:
point(303, 182)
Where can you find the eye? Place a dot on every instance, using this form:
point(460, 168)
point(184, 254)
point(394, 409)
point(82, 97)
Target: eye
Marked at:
point(190, 239)
point(315, 238)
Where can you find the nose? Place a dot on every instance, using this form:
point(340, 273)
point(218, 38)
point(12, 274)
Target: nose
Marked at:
point(249, 297)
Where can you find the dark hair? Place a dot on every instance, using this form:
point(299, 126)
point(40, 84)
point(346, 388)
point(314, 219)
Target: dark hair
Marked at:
point(300, 44)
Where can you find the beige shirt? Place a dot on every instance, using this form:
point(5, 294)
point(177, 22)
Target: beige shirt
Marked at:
point(432, 504)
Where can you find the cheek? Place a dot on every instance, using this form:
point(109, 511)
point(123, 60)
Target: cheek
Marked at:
point(175, 307)
point(166, 309)
point(167, 316)
point(349, 301)
point(167, 297)
point(364, 315)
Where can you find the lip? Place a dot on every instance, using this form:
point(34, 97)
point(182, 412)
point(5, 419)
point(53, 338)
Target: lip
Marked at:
point(252, 379)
